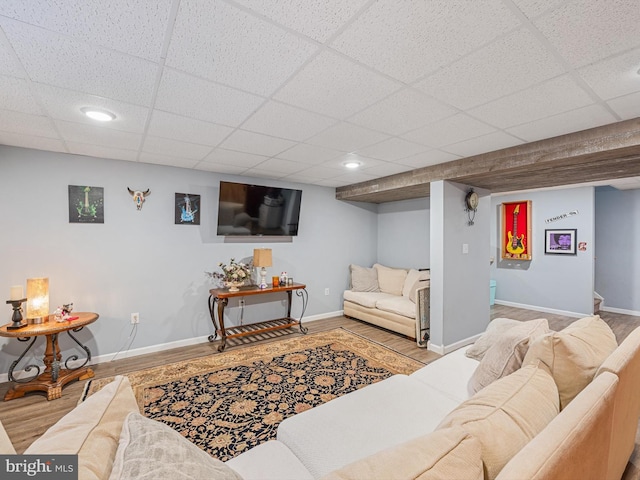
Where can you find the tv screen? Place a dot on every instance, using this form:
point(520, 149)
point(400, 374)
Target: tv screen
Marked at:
point(258, 210)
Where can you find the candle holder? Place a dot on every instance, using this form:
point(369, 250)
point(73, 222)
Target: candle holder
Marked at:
point(16, 318)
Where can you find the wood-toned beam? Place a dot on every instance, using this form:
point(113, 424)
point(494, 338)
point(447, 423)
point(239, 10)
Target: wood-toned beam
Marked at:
point(602, 153)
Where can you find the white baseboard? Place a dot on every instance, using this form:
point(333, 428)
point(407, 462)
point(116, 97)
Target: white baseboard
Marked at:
point(543, 309)
point(107, 357)
point(444, 349)
point(622, 311)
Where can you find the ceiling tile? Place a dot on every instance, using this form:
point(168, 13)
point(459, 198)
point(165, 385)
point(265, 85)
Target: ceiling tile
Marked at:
point(627, 107)
point(384, 169)
point(251, 142)
point(174, 148)
point(30, 141)
point(260, 173)
point(512, 63)
point(9, 64)
point(347, 137)
point(230, 157)
point(567, 122)
point(354, 177)
point(453, 129)
point(53, 59)
point(406, 40)
point(393, 149)
point(486, 143)
point(403, 111)
point(303, 152)
point(279, 166)
point(193, 97)
point(612, 27)
point(16, 95)
point(615, 76)
point(321, 172)
point(132, 27)
point(533, 8)
point(106, 137)
point(220, 168)
point(177, 127)
point(552, 97)
point(65, 104)
point(284, 121)
point(334, 86)
point(102, 152)
point(27, 124)
point(432, 157)
point(167, 160)
point(220, 42)
point(365, 162)
point(318, 19)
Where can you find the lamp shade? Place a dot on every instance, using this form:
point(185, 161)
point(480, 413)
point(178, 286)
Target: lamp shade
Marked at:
point(262, 257)
point(37, 297)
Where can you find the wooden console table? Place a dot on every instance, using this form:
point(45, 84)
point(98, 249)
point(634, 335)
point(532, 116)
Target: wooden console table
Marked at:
point(221, 296)
point(54, 377)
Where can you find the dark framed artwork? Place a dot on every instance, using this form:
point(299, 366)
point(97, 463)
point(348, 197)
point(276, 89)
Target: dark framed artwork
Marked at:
point(86, 204)
point(187, 209)
point(516, 230)
point(562, 242)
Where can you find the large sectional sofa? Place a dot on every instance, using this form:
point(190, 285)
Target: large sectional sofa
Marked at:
point(556, 405)
point(393, 298)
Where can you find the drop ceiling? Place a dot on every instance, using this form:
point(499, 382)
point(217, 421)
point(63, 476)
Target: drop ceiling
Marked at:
point(293, 89)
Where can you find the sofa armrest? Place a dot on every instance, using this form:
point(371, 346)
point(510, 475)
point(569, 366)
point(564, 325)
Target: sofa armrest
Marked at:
point(423, 324)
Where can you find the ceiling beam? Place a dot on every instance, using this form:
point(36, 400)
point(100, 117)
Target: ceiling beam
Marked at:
point(602, 153)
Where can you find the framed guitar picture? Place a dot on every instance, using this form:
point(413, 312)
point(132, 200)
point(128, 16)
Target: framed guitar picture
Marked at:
point(516, 230)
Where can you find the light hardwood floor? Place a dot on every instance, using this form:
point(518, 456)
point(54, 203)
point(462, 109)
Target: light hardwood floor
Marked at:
point(28, 417)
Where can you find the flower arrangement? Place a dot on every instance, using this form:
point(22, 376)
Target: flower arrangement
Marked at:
point(235, 272)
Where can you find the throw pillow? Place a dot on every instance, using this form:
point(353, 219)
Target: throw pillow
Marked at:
point(505, 356)
point(151, 449)
point(496, 328)
point(390, 280)
point(412, 277)
point(364, 279)
point(507, 414)
point(446, 453)
point(414, 289)
point(574, 354)
point(91, 430)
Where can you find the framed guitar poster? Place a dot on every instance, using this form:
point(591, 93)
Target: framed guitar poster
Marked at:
point(516, 230)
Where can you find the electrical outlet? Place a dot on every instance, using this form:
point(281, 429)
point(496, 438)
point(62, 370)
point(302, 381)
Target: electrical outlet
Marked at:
point(135, 318)
point(326, 291)
point(241, 302)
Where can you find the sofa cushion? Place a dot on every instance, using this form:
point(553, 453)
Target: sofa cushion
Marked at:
point(270, 460)
point(397, 304)
point(412, 277)
point(364, 279)
point(417, 285)
point(449, 453)
point(366, 299)
point(574, 354)
point(507, 414)
point(153, 450)
point(390, 280)
point(91, 430)
point(506, 354)
point(496, 329)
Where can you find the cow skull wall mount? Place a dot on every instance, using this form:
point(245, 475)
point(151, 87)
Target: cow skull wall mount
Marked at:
point(139, 197)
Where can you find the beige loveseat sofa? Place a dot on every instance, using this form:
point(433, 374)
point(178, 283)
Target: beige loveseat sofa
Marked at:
point(393, 298)
point(563, 405)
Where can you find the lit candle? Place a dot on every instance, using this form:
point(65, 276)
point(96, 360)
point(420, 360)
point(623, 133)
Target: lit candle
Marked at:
point(17, 293)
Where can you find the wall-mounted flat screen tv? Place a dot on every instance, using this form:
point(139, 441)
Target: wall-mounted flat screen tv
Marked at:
point(245, 209)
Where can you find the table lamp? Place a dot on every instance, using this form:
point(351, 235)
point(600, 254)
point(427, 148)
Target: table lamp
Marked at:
point(262, 259)
point(37, 300)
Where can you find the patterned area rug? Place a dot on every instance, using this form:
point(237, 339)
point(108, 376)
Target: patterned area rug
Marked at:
point(232, 401)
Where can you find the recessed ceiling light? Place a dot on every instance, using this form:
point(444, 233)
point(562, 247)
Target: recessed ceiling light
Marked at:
point(352, 164)
point(98, 114)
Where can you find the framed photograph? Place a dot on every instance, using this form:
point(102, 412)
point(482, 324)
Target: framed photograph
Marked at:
point(516, 230)
point(187, 209)
point(562, 242)
point(86, 204)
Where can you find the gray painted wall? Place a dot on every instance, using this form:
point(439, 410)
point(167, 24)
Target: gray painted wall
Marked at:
point(554, 282)
point(403, 233)
point(140, 261)
point(617, 220)
point(459, 281)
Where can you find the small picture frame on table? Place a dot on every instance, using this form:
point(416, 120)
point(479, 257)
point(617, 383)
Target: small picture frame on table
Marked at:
point(560, 241)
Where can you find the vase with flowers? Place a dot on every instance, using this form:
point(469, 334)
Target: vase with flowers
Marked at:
point(233, 275)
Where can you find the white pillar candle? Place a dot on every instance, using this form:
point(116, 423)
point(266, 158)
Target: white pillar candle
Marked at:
point(17, 293)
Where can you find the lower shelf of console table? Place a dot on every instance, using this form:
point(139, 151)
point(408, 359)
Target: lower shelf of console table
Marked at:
point(219, 297)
